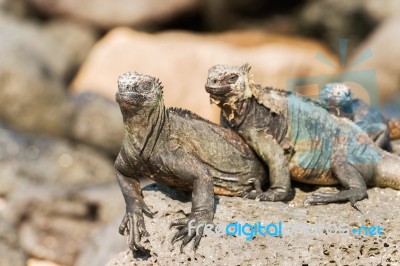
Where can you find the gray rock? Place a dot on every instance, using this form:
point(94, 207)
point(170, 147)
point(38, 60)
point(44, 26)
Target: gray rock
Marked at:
point(33, 98)
point(57, 193)
point(57, 223)
point(68, 44)
point(97, 122)
point(105, 244)
point(28, 160)
point(395, 146)
point(10, 250)
point(382, 208)
point(58, 46)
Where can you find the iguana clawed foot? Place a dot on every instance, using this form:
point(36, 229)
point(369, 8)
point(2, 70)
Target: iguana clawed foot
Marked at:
point(133, 224)
point(275, 194)
point(352, 195)
point(272, 194)
point(196, 222)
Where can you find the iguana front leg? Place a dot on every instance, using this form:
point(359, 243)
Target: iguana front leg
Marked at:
point(272, 154)
point(133, 222)
point(202, 212)
point(355, 188)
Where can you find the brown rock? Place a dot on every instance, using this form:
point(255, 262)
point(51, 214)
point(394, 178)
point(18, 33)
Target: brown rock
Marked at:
point(394, 126)
point(108, 14)
point(181, 61)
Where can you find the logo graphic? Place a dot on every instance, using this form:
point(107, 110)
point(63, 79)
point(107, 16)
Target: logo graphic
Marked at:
point(321, 137)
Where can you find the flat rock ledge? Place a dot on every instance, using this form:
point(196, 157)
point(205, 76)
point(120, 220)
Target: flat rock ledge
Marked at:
point(300, 247)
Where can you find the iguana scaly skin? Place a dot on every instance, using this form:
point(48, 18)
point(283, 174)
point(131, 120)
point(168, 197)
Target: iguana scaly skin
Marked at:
point(177, 148)
point(321, 149)
point(337, 99)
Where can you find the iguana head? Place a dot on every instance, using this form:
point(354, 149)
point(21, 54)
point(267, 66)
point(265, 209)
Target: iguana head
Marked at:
point(137, 91)
point(335, 95)
point(227, 84)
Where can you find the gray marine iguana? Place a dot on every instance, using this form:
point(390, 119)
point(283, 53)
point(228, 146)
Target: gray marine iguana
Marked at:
point(320, 148)
point(180, 149)
point(337, 99)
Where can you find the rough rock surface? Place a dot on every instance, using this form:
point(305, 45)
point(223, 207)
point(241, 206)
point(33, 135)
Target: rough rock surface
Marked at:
point(109, 14)
point(382, 208)
point(181, 61)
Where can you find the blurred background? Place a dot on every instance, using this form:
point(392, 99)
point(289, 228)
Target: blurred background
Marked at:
point(60, 129)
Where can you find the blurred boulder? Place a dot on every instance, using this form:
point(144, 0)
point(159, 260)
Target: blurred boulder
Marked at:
point(394, 126)
point(57, 224)
point(353, 20)
point(35, 64)
point(181, 60)
point(272, 16)
point(57, 47)
point(333, 19)
point(28, 160)
point(105, 244)
point(68, 45)
point(383, 46)
point(56, 193)
point(18, 8)
point(10, 250)
point(107, 14)
point(382, 9)
point(31, 96)
point(97, 121)
point(395, 146)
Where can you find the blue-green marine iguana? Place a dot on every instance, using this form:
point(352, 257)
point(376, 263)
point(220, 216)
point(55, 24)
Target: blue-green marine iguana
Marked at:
point(177, 148)
point(319, 148)
point(337, 99)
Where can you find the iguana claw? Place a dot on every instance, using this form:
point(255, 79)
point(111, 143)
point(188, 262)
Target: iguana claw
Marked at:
point(196, 223)
point(133, 225)
point(353, 195)
point(270, 195)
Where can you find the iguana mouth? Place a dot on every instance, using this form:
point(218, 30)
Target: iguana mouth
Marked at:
point(130, 97)
point(217, 91)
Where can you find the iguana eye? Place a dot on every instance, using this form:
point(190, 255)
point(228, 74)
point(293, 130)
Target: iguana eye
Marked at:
point(147, 85)
point(232, 78)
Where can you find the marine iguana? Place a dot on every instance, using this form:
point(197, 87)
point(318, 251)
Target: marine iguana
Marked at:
point(337, 99)
point(320, 148)
point(180, 149)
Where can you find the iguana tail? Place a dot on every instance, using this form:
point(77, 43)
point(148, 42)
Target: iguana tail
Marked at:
point(394, 127)
point(388, 171)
